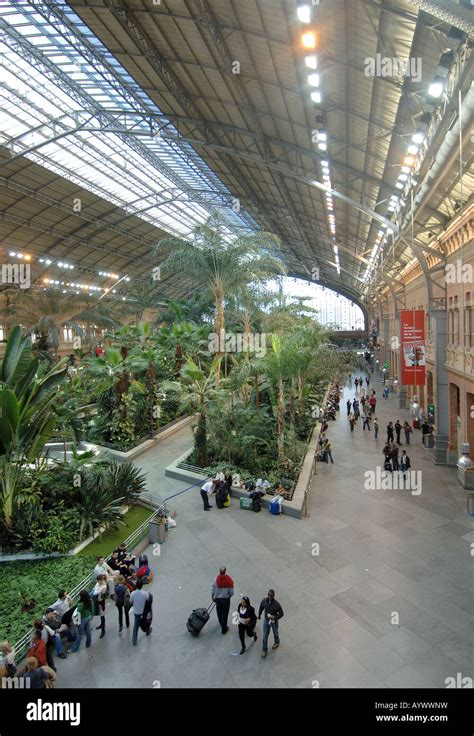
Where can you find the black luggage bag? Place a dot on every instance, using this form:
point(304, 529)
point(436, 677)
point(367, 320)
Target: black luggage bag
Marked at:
point(198, 619)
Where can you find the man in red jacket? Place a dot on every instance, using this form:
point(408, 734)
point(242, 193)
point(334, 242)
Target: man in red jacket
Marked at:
point(38, 648)
point(221, 593)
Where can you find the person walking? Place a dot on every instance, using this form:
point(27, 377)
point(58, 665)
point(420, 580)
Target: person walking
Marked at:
point(367, 380)
point(327, 452)
point(356, 383)
point(398, 429)
point(247, 621)
point(387, 464)
point(207, 490)
point(122, 601)
point(138, 599)
point(373, 401)
point(221, 592)
point(385, 392)
point(405, 463)
point(83, 615)
point(376, 428)
point(389, 433)
point(366, 423)
point(394, 455)
point(349, 406)
point(407, 430)
point(352, 422)
point(272, 613)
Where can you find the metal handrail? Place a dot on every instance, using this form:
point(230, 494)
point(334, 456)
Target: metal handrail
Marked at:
point(22, 644)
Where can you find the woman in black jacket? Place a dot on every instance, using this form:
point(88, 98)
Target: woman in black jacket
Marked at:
point(247, 621)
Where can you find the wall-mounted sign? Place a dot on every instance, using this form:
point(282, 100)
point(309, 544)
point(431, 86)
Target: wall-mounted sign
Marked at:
point(412, 328)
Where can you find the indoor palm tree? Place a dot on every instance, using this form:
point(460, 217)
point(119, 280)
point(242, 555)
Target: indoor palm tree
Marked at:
point(223, 262)
point(197, 391)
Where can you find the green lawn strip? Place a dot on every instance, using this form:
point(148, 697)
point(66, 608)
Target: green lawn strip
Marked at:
point(41, 580)
point(114, 537)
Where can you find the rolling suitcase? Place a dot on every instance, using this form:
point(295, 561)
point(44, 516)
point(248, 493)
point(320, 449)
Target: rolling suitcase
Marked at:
point(198, 619)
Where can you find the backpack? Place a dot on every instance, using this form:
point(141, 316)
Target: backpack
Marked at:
point(257, 503)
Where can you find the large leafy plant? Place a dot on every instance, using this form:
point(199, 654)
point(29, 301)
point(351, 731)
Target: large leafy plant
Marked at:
point(27, 417)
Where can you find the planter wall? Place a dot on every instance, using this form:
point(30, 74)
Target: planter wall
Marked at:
point(122, 457)
point(292, 508)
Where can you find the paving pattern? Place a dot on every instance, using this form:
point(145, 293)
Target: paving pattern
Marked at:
point(376, 585)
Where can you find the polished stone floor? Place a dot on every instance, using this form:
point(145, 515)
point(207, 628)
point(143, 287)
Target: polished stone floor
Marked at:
point(376, 585)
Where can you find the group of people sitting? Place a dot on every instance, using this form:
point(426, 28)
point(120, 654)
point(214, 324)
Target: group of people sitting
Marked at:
point(65, 622)
point(324, 451)
point(332, 402)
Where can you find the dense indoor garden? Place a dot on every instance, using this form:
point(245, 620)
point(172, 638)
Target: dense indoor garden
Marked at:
point(248, 363)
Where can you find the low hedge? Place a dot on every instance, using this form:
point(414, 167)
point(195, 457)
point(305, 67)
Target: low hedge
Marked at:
point(40, 580)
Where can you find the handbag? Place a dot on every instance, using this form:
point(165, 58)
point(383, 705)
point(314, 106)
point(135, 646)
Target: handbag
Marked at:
point(11, 669)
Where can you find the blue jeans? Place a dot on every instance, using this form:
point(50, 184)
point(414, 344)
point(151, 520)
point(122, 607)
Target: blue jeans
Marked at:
point(58, 642)
point(84, 625)
point(267, 625)
point(136, 626)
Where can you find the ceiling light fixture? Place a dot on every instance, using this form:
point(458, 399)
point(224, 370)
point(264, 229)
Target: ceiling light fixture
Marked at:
point(436, 88)
point(304, 13)
point(309, 40)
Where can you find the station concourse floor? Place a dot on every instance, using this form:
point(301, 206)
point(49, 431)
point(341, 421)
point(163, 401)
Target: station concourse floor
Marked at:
point(380, 553)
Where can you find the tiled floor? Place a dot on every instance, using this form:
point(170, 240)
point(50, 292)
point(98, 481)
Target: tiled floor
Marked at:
point(387, 602)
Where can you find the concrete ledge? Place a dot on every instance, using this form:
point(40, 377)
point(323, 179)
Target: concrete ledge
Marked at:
point(121, 457)
point(291, 508)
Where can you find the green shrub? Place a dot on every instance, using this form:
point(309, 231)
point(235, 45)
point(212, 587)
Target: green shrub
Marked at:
point(39, 580)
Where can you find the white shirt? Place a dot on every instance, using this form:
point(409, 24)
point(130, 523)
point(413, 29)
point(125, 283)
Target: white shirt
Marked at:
point(62, 606)
point(207, 487)
point(100, 589)
point(242, 616)
point(103, 570)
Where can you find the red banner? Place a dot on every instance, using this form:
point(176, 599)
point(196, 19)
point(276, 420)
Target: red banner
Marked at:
point(413, 356)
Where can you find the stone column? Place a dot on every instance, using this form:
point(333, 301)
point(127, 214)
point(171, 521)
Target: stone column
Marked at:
point(440, 340)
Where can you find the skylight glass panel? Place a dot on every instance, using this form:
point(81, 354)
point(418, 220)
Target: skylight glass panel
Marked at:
point(106, 163)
